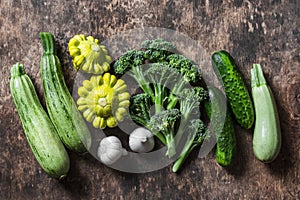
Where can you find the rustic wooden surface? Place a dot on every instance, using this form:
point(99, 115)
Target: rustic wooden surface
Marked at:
point(253, 31)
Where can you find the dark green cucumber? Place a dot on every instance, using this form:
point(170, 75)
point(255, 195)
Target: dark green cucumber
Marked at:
point(235, 88)
point(41, 134)
point(217, 110)
point(60, 105)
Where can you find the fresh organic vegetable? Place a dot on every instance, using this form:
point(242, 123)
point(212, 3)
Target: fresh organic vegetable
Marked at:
point(162, 75)
point(39, 130)
point(169, 67)
point(164, 126)
point(141, 140)
point(88, 55)
point(190, 100)
point(157, 50)
point(196, 133)
point(218, 112)
point(110, 150)
point(189, 74)
point(235, 88)
point(139, 109)
point(61, 107)
point(132, 62)
point(267, 134)
point(103, 100)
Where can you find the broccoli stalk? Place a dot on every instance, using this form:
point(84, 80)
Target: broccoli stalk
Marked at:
point(196, 133)
point(164, 125)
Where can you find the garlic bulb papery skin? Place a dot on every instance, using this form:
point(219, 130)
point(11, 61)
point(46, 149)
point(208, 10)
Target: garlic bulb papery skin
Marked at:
point(110, 150)
point(141, 140)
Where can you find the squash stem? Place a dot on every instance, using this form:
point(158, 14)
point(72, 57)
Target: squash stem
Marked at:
point(17, 70)
point(47, 43)
point(257, 76)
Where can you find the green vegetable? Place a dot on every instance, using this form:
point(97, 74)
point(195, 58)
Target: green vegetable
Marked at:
point(103, 100)
point(220, 116)
point(164, 126)
point(267, 134)
point(39, 130)
point(196, 133)
point(88, 55)
point(139, 109)
point(190, 100)
point(61, 107)
point(188, 74)
point(165, 79)
point(157, 50)
point(133, 62)
point(161, 77)
point(235, 88)
point(185, 67)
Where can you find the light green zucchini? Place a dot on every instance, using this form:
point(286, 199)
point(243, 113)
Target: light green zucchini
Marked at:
point(41, 134)
point(267, 134)
point(60, 105)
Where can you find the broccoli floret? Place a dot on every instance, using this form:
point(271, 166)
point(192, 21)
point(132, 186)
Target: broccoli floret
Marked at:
point(189, 107)
point(128, 60)
point(189, 74)
point(185, 67)
point(196, 132)
point(161, 77)
point(132, 62)
point(139, 108)
point(189, 102)
point(157, 50)
point(164, 125)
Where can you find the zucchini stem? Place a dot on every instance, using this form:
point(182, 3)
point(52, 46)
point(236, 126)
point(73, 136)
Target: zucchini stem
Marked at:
point(48, 43)
point(257, 76)
point(17, 70)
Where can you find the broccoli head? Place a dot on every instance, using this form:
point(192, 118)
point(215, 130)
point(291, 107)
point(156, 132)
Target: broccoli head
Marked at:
point(164, 125)
point(189, 101)
point(157, 50)
point(139, 109)
point(129, 60)
point(185, 67)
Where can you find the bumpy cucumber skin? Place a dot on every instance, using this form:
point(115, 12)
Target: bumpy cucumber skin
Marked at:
point(217, 110)
point(41, 134)
point(60, 105)
point(267, 133)
point(235, 88)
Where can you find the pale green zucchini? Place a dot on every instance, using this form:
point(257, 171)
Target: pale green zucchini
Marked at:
point(60, 105)
point(267, 134)
point(41, 134)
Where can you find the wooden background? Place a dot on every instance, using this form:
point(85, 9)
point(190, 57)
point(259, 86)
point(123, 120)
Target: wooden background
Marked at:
point(266, 32)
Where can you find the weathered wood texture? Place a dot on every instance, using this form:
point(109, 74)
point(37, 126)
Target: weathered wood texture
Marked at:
point(266, 32)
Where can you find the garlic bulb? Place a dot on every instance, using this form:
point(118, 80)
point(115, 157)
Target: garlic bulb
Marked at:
point(110, 150)
point(141, 140)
